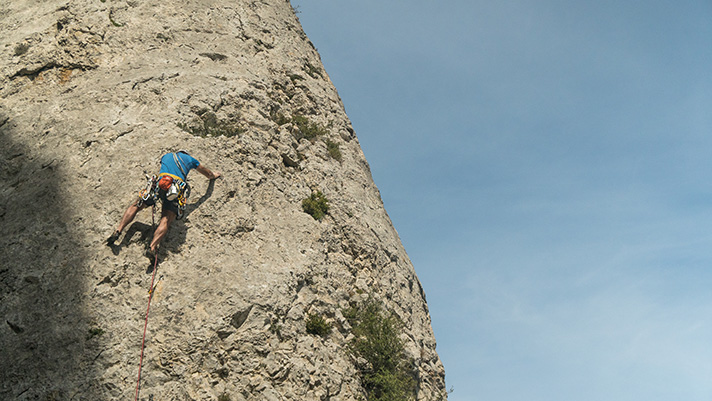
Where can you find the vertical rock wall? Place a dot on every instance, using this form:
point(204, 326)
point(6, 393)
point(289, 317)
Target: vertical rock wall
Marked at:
point(92, 93)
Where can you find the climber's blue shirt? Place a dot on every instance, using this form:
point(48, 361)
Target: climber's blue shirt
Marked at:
point(168, 164)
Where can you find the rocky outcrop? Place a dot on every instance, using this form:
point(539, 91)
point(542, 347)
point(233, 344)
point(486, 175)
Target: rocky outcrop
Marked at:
point(92, 93)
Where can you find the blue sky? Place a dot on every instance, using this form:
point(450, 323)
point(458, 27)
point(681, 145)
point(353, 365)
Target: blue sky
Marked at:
point(547, 166)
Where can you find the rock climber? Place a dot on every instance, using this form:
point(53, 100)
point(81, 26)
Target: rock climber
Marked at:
point(171, 188)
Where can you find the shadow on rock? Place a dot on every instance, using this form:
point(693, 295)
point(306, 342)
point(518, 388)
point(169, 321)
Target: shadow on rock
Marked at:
point(177, 233)
point(45, 337)
point(208, 193)
point(145, 231)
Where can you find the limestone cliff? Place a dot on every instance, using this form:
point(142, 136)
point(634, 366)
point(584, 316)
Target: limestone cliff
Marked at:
point(92, 93)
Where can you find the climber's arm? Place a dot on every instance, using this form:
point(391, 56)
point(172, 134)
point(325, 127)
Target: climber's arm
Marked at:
point(211, 175)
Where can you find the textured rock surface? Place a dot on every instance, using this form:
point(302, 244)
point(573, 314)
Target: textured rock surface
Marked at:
point(92, 92)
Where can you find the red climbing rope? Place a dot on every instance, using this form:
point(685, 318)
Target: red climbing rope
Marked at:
point(150, 296)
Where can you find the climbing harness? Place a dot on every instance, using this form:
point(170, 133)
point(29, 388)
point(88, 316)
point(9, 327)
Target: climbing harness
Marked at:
point(148, 308)
point(167, 187)
point(173, 189)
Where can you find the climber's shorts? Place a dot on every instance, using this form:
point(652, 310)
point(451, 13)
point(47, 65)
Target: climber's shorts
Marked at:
point(172, 206)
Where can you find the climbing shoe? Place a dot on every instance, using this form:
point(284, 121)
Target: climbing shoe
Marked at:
point(151, 255)
point(110, 241)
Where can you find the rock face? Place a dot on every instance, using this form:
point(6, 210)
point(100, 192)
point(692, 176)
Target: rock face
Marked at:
point(92, 93)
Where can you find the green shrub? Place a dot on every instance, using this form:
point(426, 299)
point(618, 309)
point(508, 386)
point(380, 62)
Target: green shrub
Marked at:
point(21, 49)
point(94, 331)
point(209, 125)
point(312, 71)
point(295, 77)
point(316, 205)
point(317, 325)
point(307, 129)
point(114, 23)
point(275, 328)
point(389, 386)
point(386, 376)
point(333, 149)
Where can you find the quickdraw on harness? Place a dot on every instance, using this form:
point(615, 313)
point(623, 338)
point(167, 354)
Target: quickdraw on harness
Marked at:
point(149, 191)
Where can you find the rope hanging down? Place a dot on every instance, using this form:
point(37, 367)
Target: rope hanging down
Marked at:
point(150, 296)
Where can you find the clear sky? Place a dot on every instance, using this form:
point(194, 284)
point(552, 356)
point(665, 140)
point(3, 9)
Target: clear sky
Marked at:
point(547, 165)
